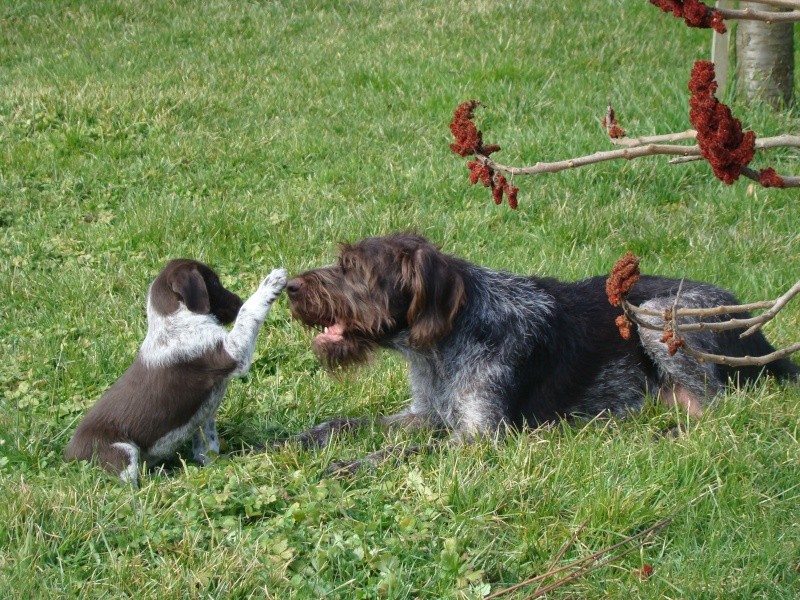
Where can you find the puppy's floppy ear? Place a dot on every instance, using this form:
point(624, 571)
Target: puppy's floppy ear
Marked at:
point(191, 287)
point(438, 293)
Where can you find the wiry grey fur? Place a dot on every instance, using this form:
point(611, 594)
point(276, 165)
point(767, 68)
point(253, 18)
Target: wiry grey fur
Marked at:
point(488, 349)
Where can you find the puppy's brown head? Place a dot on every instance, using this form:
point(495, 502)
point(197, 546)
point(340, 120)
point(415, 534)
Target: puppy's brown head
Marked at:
point(195, 285)
point(379, 288)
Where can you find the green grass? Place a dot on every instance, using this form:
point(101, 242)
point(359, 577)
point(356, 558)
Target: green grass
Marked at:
point(257, 134)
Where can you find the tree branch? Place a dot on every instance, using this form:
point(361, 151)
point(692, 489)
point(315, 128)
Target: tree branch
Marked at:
point(748, 14)
point(795, 4)
point(689, 134)
point(582, 161)
point(643, 146)
point(670, 323)
point(784, 140)
point(788, 181)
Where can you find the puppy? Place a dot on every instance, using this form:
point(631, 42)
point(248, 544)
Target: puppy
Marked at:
point(488, 349)
point(173, 389)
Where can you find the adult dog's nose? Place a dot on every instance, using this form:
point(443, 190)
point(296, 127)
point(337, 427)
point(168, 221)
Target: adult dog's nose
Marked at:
point(294, 286)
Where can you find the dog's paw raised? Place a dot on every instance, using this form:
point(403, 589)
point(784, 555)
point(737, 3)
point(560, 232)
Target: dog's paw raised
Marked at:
point(274, 283)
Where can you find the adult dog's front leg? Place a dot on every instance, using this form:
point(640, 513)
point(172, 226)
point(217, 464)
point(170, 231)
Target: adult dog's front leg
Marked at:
point(320, 435)
point(481, 416)
point(241, 341)
point(406, 420)
point(373, 459)
point(493, 429)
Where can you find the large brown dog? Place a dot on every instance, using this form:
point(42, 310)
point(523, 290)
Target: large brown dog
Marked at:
point(488, 349)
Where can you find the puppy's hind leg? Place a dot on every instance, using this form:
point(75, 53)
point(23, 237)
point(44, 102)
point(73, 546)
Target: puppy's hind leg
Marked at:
point(99, 447)
point(121, 458)
point(241, 341)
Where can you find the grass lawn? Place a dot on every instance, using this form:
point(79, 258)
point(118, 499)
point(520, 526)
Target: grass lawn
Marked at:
point(256, 134)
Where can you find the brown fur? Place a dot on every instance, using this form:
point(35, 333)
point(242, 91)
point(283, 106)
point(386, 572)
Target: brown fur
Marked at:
point(197, 286)
point(174, 387)
point(376, 289)
point(488, 350)
point(144, 405)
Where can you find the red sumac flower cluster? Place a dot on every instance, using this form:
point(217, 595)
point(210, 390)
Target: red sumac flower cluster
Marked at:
point(468, 142)
point(719, 134)
point(624, 275)
point(611, 124)
point(769, 178)
point(694, 13)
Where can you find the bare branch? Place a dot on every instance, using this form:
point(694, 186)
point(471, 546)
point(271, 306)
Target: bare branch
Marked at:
point(742, 361)
point(795, 4)
point(582, 161)
point(585, 570)
point(779, 141)
point(563, 550)
point(639, 147)
point(788, 181)
point(748, 14)
point(587, 564)
point(689, 134)
point(710, 312)
point(779, 303)
point(670, 322)
point(784, 140)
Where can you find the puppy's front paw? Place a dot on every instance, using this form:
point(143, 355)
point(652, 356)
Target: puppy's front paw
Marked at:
point(274, 283)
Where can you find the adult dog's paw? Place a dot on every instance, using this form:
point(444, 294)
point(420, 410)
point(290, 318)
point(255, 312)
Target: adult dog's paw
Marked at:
point(345, 468)
point(320, 435)
point(399, 452)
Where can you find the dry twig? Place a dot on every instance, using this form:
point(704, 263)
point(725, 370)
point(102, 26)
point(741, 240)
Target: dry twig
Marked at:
point(587, 564)
point(637, 148)
point(624, 276)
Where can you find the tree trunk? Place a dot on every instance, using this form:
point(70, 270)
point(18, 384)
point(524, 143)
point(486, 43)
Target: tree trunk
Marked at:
point(765, 59)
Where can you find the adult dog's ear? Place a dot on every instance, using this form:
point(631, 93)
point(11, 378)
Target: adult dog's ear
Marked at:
point(437, 294)
point(191, 287)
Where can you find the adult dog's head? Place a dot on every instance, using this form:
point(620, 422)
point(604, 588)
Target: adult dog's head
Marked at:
point(396, 288)
point(197, 287)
